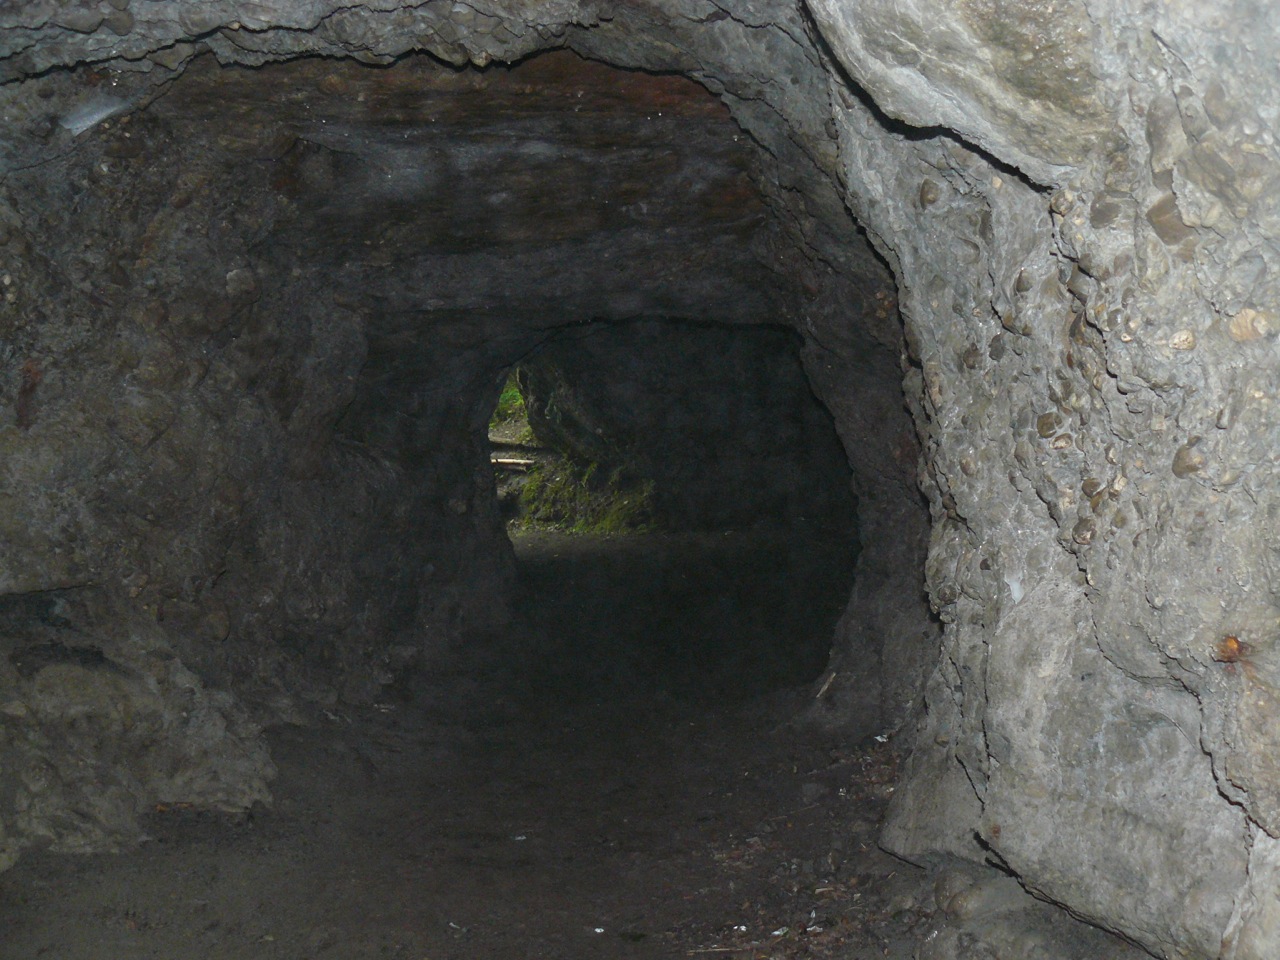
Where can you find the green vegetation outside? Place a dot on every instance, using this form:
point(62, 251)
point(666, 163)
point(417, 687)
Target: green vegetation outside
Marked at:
point(563, 494)
point(566, 496)
point(510, 403)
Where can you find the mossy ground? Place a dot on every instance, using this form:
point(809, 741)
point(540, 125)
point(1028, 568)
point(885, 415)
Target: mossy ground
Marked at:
point(509, 422)
point(563, 495)
point(559, 493)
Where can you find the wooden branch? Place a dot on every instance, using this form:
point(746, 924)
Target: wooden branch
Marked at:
point(512, 463)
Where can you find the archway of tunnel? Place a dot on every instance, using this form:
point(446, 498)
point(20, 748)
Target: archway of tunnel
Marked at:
point(680, 508)
point(397, 237)
point(485, 207)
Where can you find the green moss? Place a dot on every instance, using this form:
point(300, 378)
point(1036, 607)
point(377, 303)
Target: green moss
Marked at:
point(510, 403)
point(568, 496)
point(510, 422)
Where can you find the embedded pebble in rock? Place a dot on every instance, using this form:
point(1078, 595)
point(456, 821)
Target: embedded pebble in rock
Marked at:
point(265, 267)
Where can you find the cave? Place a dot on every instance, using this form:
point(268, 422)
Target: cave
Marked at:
point(984, 295)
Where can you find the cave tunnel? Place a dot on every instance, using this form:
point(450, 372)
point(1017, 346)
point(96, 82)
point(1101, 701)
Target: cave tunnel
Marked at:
point(941, 336)
point(707, 440)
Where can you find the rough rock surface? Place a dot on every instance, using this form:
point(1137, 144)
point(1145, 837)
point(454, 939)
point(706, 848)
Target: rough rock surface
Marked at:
point(98, 725)
point(1076, 200)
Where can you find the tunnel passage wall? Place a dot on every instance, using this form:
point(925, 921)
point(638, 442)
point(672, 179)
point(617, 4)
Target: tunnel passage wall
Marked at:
point(1077, 202)
point(254, 327)
point(1083, 347)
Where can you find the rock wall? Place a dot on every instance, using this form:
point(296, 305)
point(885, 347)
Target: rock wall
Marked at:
point(1082, 300)
point(1075, 199)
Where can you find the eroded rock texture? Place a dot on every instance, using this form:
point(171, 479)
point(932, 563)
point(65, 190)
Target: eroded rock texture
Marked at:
point(257, 329)
point(252, 328)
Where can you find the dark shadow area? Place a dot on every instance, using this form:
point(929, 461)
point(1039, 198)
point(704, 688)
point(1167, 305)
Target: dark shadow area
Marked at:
point(702, 539)
point(610, 776)
point(700, 617)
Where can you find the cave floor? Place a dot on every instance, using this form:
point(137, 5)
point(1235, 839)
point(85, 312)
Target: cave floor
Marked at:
point(612, 776)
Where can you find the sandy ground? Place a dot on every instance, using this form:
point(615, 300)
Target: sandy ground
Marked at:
point(613, 777)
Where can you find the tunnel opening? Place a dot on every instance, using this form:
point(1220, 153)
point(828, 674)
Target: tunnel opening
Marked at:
point(716, 426)
point(707, 542)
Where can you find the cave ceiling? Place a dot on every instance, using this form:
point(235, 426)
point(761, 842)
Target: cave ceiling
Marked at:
point(554, 191)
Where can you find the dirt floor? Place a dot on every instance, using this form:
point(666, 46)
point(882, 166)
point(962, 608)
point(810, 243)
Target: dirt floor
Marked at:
point(612, 777)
